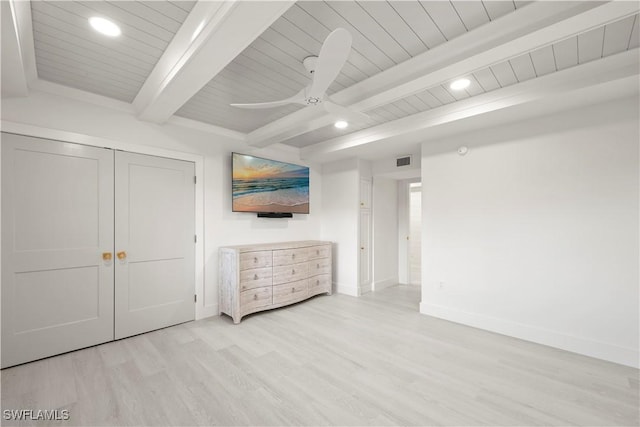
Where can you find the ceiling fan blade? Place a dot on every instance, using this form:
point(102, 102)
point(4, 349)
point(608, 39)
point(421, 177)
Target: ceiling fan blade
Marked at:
point(298, 98)
point(333, 54)
point(344, 113)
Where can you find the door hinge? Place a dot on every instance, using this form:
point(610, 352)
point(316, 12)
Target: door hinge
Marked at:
point(195, 238)
point(194, 179)
point(195, 298)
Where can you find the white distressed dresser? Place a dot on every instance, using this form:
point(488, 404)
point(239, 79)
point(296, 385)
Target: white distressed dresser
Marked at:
point(261, 277)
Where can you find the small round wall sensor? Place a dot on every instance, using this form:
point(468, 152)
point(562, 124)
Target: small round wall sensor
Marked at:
point(463, 150)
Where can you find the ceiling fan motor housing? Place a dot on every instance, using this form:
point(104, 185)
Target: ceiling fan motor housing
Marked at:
point(310, 63)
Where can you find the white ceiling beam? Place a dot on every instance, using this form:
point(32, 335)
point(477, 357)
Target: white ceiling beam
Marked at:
point(18, 54)
point(613, 68)
point(569, 27)
point(534, 26)
point(213, 34)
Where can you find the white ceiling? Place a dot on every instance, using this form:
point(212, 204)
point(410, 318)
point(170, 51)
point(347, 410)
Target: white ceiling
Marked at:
point(567, 53)
point(69, 52)
point(186, 61)
point(384, 34)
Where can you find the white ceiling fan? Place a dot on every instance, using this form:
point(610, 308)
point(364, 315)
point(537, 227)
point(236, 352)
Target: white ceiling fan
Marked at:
point(324, 68)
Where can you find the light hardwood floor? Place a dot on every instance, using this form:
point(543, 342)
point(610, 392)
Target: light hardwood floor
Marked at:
point(332, 360)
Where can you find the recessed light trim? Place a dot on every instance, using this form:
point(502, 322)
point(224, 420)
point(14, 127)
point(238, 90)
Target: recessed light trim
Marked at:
point(105, 26)
point(341, 124)
point(460, 84)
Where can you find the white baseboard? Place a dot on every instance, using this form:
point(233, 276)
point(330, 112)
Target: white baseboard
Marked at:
point(599, 350)
point(364, 289)
point(383, 284)
point(208, 311)
point(342, 288)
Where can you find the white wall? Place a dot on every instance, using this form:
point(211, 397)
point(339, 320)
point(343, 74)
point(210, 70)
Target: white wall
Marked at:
point(387, 167)
point(340, 204)
point(385, 232)
point(53, 116)
point(534, 233)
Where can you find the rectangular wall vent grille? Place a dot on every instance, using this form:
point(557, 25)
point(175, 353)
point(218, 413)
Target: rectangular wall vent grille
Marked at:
point(403, 161)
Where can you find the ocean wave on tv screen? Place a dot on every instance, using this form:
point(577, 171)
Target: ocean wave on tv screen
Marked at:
point(287, 197)
point(242, 187)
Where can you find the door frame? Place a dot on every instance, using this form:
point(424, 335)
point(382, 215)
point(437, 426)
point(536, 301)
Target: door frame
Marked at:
point(404, 207)
point(201, 310)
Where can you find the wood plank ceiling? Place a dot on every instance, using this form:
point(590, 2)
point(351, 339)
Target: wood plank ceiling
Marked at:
point(385, 33)
point(597, 43)
point(71, 53)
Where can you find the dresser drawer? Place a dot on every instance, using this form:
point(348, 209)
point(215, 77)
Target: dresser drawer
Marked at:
point(316, 252)
point(319, 284)
point(290, 273)
point(319, 266)
point(254, 298)
point(249, 260)
point(290, 292)
point(289, 256)
point(255, 278)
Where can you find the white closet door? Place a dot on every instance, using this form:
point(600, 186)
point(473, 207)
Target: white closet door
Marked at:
point(155, 273)
point(57, 221)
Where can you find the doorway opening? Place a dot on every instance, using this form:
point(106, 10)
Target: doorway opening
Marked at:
point(415, 233)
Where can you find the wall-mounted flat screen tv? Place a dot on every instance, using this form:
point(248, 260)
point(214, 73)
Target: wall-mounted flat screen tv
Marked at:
point(268, 186)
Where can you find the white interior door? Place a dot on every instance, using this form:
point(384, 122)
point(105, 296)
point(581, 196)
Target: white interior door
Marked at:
point(57, 221)
point(365, 250)
point(155, 247)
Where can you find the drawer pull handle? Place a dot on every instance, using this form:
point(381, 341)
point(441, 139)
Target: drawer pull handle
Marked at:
point(293, 271)
point(293, 255)
point(318, 265)
point(293, 290)
point(255, 259)
point(255, 296)
point(318, 282)
point(317, 252)
point(255, 277)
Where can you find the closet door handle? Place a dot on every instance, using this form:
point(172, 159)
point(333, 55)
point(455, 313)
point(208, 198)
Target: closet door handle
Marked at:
point(121, 255)
point(106, 256)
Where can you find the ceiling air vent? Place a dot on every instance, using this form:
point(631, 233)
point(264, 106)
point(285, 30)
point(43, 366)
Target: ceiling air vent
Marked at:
point(403, 161)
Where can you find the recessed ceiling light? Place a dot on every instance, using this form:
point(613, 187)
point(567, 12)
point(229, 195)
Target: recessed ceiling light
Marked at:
point(341, 124)
point(460, 84)
point(104, 26)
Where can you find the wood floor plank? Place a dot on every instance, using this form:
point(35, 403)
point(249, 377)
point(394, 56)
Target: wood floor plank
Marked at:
point(332, 360)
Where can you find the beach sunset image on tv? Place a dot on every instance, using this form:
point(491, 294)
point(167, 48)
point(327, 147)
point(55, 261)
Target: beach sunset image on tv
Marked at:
point(262, 185)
